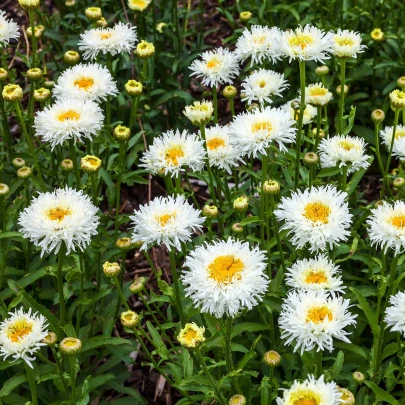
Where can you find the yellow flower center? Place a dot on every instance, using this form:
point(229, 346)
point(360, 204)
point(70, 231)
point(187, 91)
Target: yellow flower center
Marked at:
point(213, 63)
point(69, 115)
point(58, 214)
point(190, 335)
point(319, 314)
point(316, 277)
point(215, 143)
point(105, 36)
point(19, 329)
point(164, 219)
point(70, 342)
point(345, 41)
point(262, 84)
point(262, 126)
point(317, 212)
point(346, 145)
point(317, 91)
point(400, 133)
point(225, 269)
point(259, 40)
point(305, 397)
point(92, 161)
point(398, 221)
point(84, 83)
point(301, 41)
point(173, 154)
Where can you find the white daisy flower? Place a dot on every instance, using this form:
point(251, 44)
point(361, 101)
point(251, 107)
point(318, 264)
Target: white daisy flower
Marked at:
point(21, 335)
point(219, 66)
point(341, 150)
point(310, 112)
point(63, 216)
point(168, 220)
point(225, 277)
point(315, 274)
point(311, 319)
point(308, 43)
point(8, 29)
point(68, 119)
point(221, 152)
point(347, 44)
point(259, 43)
point(398, 148)
point(318, 216)
point(253, 132)
point(174, 152)
point(262, 85)
point(118, 39)
point(200, 112)
point(87, 82)
point(311, 392)
point(317, 95)
point(387, 226)
point(395, 313)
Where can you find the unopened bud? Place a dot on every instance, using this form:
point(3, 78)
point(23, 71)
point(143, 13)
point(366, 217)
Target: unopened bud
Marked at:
point(377, 35)
point(137, 286)
point(12, 92)
point(145, 50)
point(338, 89)
point(24, 172)
point(399, 182)
point(121, 133)
point(93, 13)
point(397, 98)
point(241, 204)
point(272, 358)
point(70, 3)
point(3, 74)
point(38, 31)
point(322, 70)
point(49, 84)
point(71, 57)
point(4, 189)
point(18, 162)
point(321, 132)
point(133, 88)
point(378, 116)
point(102, 23)
point(237, 400)
point(70, 346)
point(245, 16)
point(346, 397)
point(237, 228)
point(271, 187)
point(50, 339)
point(90, 164)
point(34, 74)
point(210, 211)
point(67, 165)
point(111, 269)
point(230, 92)
point(358, 377)
point(311, 158)
point(29, 4)
point(124, 244)
point(129, 319)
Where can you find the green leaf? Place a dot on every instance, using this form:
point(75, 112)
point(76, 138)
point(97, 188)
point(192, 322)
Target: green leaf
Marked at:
point(249, 355)
point(337, 366)
point(381, 394)
point(101, 341)
point(12, 383)
point(158, 342)
point(249, 220)
point(329, 172)
point(240, 328)
point(16, 236)
point(370, 315)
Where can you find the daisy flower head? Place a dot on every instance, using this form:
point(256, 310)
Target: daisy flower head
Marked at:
point(138, 5)
point(318, 216)
point(166, 220)
point(63, 216)
point(398, 148)
point(119, 39)
point(199, 113)
point(174, 152)
point(315, 274)
point(68, 119)
point(347, 44)
point(225, 277)
point(87, 82)
point(311, 319)
point(21, 335)
point(253, 132)
point(262, 85)
point(387, 226)
point(310, 112)
point(308, 43)
point(317, 95)
point(219, 66)
point(344, 150)
point(221, 152)
point(8, 29)
point(395, 313)
point(311, 392)
point(259, 43)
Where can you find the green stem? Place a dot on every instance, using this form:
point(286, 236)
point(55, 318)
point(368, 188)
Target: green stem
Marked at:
point(210, 180)
point(232, 107)
point(215, 99)
point(73, 378)
point(387, 166)
point(72, 148)
point(59, 367)
point(276, 231)
point(4, 241)
point(60, 284)
point(318, 363)
point(377, 149)
point(344, 178)
point(342, 94)
point(121, 295)
point(228, 345)
point(32, 383)
point(34, 62)
point(262, 200)
point(318, 127)
point(176, 283)
point(300, 124)
point(134, 110)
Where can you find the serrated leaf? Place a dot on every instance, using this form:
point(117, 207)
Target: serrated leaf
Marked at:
point(101, 341)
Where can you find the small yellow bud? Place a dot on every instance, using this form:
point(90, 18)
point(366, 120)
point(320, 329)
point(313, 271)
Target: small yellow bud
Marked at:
point(90, 164)
point(378, 116)
point(271, 187)
point(237, 400)
point(210, 211)
point(138, 285)
point(377, 35)
point(18, 162)
point(272, 358)
point(145, 50)
point(245, 16)
point(67, 165)
point(42, 94)
point(133, 88)
point(358, 377)
point(111, 269)
point(346, 398)
point(241, 203)
point(93, 13)
point(401, 82)
point(237, 228)
point(230, 92)
point(138, 5)
point(29, 4)
point(102, 23)
point(397, 98)
point(399, 182)
point(12, 92)
point(191, 335)
point(322, 70)
point(50, 339)
point(4, 189)
point(124, 244)
point(24, 172)
point(129, 319)
point(311, 159)
point(321, 133)
point(70, 346)
point(71, 57)
point(338, 89)
point(160, 26)
point(38, 30)
point(3, 74)
point(70, 3)
point(34, 74)
point(121, 133)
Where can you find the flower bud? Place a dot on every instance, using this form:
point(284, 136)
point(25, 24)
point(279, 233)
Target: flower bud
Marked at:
point(29, 4)
point(245, 16)
point(93, 13)
point(346, 398)
point(50, 339)
point(160, 26)
point(251, 107)
point(137, 244)
point(358, 377)
point(378, 116)
point(70, 3)
point(271, 187)
point(241, 204)
point(199, 113)
point(4, 189)
point(124, 244)
point(129, 319)
point(210, 211)
point(34, 74)
point(70, 346)
point(71, 57)
point(377, 35)
point(230, 92)
point(338, 89)
point(12, 92)
point(18, 162)
point(49, 84)
point(67, 165)
point(272, 358)
point(322, 70)
point(378, 203)
point(237, 228)
point(121, 133)
point(399, 182)
point(133, 88)
point(102, 23)
point(42, 94)
point(397, 98)
point(311, 159)
point(237, 400)
point(138, 5)
point(38, 31)
point(24, 172)
point(90, 164)
point(295, 105)
point(401, 82)
point(321, 133)
point(138, 285)
point(145, 50)
point(3, 74)
point(191, 335)
point(111, 269)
